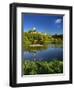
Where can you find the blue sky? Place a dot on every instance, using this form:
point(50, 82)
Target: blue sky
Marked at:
point(51, 24)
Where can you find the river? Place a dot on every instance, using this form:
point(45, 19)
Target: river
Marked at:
point(43, 53)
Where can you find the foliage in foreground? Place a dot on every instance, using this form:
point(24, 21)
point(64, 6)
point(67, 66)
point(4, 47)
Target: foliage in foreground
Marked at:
point(42, 67)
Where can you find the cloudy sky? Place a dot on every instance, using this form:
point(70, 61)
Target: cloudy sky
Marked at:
point(51, 24)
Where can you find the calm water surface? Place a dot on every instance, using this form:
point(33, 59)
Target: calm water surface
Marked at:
point(43, 53)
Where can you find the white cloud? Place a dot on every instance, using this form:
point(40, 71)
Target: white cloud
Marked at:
point(58, 21)
point(34, 28)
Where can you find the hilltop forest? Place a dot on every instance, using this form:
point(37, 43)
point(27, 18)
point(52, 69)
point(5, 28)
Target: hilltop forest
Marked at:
point(33, 37)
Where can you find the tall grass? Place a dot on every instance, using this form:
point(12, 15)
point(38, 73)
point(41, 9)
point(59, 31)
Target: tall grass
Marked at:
point(42, 67)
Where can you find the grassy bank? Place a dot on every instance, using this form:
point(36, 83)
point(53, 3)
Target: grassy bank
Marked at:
point(42, 67)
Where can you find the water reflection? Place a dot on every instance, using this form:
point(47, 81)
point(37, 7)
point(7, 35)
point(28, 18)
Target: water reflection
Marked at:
point(45, 52)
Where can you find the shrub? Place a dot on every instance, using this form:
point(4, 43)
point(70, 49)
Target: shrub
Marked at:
point(42, 67)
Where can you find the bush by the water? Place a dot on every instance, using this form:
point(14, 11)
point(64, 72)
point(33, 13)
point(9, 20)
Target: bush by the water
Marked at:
point(42, 67)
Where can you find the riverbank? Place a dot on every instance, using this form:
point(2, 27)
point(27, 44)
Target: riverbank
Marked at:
point(35, 45)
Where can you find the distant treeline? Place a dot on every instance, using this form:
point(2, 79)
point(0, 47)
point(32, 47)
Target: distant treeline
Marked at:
point(58, 36)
